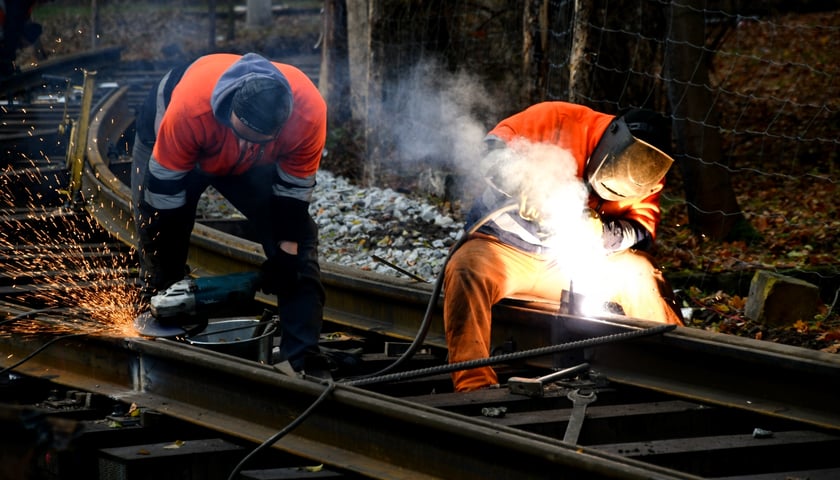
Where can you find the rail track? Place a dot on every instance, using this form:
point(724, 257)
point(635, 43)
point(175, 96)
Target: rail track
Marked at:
point(666, 403)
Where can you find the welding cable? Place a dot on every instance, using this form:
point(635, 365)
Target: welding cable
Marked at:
point(536, 352)
point(39, 350)
point(28, 314)
point(423, 330)
point(277, 436)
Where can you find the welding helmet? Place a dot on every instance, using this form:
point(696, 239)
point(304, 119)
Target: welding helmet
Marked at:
point(626, 164)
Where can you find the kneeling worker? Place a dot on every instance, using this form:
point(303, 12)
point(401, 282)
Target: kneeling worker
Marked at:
point(614, 167)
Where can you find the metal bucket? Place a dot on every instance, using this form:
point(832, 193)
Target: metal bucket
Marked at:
point(240, 337)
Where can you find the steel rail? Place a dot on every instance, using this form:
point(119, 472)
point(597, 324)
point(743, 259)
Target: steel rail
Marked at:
point(402, 439)
point(764, 377)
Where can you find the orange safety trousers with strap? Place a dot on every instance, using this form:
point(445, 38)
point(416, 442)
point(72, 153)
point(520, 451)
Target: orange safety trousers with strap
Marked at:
point(483, 271)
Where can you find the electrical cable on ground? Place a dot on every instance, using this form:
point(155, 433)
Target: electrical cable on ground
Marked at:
point(277, 436)
point(39, 350)
point(423, 330)
point(418, 341)
point(23, 315)
point(833, 303)
point(42, 347)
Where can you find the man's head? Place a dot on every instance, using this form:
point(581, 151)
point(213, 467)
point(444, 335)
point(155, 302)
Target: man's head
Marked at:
point(262, 105)
point(630, 159)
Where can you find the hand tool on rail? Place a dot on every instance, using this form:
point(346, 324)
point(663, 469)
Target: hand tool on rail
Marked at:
point(535, 387)
point(579, 403)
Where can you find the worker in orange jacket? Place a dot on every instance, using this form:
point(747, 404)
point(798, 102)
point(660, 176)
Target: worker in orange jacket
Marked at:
point(572, 200)
point(254, 130)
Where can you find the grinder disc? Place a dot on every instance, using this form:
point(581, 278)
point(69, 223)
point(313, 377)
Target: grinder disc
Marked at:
point(147, 325)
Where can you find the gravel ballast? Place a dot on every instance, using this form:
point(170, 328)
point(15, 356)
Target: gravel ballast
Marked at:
point(359, 225)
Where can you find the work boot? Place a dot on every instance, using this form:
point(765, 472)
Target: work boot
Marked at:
point(317, 366)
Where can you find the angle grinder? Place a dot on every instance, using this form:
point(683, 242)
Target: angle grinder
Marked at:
point(185, 307)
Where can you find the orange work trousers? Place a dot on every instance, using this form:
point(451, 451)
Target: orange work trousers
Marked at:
point(483, 271)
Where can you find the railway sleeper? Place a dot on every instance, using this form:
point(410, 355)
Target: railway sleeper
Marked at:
point(54, 432)
point(704, 440)
point(737, 454)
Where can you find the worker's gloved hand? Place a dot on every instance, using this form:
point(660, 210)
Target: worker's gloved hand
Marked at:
point(279, 273)
point(530, 208)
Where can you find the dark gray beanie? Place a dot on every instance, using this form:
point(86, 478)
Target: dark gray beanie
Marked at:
point(263, 104)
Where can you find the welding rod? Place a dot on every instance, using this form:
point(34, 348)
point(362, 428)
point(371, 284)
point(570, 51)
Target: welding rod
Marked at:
point(534, 387)
point(566, 372)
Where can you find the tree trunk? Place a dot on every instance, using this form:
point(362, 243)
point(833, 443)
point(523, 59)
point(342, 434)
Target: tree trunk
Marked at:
point(712, 207)
point(231, 21)
point(258, 14)
point(334, 78)
point(535, 50)
point(345, 155)
point(374, 96)
point(579, 79)
point(211, 24)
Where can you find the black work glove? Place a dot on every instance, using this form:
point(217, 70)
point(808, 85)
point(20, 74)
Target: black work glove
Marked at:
point(279, 273)
point(291, 219)
point(164, 243)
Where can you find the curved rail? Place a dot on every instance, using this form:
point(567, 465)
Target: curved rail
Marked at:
point(717, 364)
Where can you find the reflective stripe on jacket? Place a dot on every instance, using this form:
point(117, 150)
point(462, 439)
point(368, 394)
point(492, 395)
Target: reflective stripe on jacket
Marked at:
point(194, 130)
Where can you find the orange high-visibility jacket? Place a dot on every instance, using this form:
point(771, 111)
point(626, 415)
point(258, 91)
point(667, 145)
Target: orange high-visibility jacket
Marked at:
point(194, 130)
point(577, 129)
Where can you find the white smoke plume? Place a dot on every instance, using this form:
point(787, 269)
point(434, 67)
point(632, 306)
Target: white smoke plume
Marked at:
point(547, 175)
point(436, 120)
point(433, 119)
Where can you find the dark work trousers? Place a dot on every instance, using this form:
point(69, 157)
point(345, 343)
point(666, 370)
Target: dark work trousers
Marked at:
point(300, 310)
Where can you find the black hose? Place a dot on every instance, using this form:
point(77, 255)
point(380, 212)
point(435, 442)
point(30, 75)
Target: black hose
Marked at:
point(423, 330)
point(39, 350)
point(28, 314)
point(277, 436)
point(418, 340)
point(42, 347)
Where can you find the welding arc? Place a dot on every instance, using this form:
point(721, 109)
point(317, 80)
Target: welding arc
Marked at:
point(423, 330)
point(483, 362)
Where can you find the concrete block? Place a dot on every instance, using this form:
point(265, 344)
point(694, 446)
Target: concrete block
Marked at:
point(208, 459)
point(778, 300)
